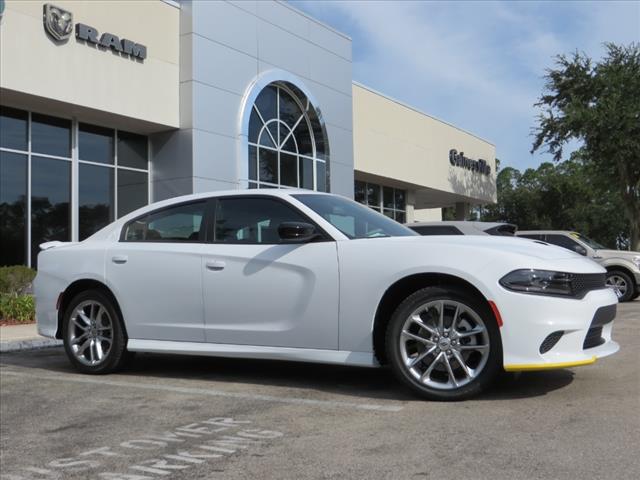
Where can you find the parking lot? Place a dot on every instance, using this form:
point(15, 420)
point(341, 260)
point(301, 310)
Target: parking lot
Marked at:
point(194, 417)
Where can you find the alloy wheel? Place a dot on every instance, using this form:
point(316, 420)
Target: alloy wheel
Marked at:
point(90, 333)
point(618, 284)
point(444, 344)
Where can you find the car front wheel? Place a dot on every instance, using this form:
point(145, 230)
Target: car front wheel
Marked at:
point(444, 344)
point(93, 337)
point(621, 284)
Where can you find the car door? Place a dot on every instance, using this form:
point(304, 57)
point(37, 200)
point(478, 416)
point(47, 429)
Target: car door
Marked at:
point(261, 291)
point(155, 271)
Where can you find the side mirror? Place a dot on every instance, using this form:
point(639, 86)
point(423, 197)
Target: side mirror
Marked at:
point(297, 232)
point(580, 249)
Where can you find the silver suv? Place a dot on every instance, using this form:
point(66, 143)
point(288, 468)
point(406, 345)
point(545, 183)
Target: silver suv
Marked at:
point(623, 267)
point(461, 227)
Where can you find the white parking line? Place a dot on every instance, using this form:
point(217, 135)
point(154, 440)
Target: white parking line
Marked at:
point(209, 392)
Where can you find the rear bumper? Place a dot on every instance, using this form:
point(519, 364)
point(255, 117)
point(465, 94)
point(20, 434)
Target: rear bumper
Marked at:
point(47, 289)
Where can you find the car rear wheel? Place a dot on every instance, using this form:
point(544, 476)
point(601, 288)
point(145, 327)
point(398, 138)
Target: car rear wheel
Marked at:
point(444, 344)
point(93, 336)
point(621, 284)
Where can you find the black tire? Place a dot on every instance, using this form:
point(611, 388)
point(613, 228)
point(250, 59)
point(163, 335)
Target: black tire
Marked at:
point(631, 287)
point(493, 363)
point(116, 356)
point(635, 295)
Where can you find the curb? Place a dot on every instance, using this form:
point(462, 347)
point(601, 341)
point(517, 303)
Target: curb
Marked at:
point(28, 344)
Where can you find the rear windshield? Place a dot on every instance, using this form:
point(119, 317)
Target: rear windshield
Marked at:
point(507, 230)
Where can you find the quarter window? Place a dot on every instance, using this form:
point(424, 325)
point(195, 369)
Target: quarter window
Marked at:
point(182, 223)
point(252, 220)
point(287, 141)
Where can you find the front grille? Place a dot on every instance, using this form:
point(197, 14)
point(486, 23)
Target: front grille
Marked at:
point(581, 283)
point(593, 338)
point(551, 341)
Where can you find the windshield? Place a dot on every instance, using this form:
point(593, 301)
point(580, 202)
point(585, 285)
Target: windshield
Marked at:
point(353, 219)
point(592, 243)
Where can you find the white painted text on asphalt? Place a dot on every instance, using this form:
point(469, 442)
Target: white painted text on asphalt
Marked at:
point(175, 451)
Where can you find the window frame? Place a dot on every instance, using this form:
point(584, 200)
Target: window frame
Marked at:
point(210, 221)
point(320, 162)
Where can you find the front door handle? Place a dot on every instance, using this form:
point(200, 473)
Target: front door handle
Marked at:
point(119, 259)
point(215, 265)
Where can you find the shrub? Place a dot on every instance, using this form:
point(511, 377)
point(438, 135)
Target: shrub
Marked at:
point(21, 308)
point(16, 280)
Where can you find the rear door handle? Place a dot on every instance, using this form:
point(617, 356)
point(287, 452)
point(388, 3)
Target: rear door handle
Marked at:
point(215, 265)
point(119, 259)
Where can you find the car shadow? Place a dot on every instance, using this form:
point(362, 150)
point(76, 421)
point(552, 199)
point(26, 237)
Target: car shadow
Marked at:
point(356, 382)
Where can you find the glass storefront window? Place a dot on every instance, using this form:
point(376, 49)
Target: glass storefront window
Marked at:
point(13, 208)
point(386, 200)
point(112, 178)
point(50, 135)
point(95, 144)
point(95, 198)
point(50, 202)
point(13, 128)
point(132, 150)
point(287, 144)
point(360, 192)
point(133, 190)
point(373, 195)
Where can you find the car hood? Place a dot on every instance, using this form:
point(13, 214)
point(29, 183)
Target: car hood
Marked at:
point(627, 255)
point(493, 244)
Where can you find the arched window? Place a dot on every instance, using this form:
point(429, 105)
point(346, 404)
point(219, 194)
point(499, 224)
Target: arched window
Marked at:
point(287, 141)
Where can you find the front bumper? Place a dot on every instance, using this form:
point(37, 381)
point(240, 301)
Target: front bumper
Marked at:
point(530, 319)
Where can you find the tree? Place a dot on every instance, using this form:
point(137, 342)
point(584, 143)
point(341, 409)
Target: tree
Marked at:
point(561, 196)
point(598, 105)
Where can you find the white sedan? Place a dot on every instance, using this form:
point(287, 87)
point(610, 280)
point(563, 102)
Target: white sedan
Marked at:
point(299, 275)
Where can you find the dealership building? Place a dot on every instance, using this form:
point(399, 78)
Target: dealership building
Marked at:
point(108, 106)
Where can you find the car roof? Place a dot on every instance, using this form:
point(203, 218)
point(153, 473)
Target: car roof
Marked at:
point(458, 223)
point(544, 232)
point(271, 192)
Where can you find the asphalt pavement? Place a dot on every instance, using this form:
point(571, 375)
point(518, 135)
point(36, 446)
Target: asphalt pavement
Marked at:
point(196, 417)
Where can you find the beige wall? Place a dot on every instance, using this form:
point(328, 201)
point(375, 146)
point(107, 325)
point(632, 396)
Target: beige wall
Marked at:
point(427, 215)
point(33, 64)
point(399, 144)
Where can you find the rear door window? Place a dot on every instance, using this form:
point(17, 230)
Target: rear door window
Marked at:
point(181, 223)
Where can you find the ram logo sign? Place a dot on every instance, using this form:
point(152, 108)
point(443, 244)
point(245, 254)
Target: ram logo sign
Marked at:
point(59, 24)
point(109, 40)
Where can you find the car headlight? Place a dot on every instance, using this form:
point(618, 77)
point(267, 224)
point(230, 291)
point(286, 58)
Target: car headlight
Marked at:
point(543, 282)
point(636, 262)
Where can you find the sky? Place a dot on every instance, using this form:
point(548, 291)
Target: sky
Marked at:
point(477, 65)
